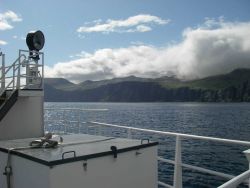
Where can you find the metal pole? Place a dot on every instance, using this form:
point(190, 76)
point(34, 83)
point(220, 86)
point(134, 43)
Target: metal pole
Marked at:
point(99, 130)
point(249, 178)
point(79, 119)
point(42, 71)
point(178, 164)
point(64, 122)
point(18, 73)
point(3, 72)
point(14, 71)
point(129, 134)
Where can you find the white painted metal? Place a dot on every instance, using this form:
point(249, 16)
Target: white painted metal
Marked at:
point(25, 173)
point(129, 133)
point(177, 178)
point(199, 169)
point(236, 180)
point(3, 72)
point(180, 135)
point(127, 170)
point(229, 141)
point(178, 163)
point(12, 75)
point(76, 109)
point(247, 153)
point(164, 184)
point(24, 119)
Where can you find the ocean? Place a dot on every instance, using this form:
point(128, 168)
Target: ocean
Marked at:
point(223, 120)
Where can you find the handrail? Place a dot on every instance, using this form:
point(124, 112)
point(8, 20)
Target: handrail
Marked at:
point(15, 66)
point(241, 142)
point(177, 162)
point(14, 73)
point(80, 109)
point(236, 180)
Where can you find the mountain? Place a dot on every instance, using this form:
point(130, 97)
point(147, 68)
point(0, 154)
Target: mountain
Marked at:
point(231, 87)
point(60, 83)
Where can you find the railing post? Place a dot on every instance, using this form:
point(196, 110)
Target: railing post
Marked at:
point(3, 72)
point(79, 119)
point(14, 72)
point(247, 154)
point(18, 71)
point(249, 178)
point(129, 134)
point(64, 121)
point(178, 164)
point(99, 128)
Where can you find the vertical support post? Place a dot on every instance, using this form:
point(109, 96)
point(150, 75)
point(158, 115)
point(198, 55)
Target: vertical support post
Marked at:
point(3, 72)
point(99, 130)
point(249, 178)
point(14, 79)
point(178, 164)
point(247, 154)
point(79, 119)
point(129, 134)
point(42, 80)
point(18, 71)
point(64, 121)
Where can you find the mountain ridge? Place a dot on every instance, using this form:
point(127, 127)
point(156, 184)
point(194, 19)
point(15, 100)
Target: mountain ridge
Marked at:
point(231, 87)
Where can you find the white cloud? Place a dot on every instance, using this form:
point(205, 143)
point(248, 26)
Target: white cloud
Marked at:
point(3, 42)
point(18, 37)
point(204, 51)
point(7, 18)
point(138, 23)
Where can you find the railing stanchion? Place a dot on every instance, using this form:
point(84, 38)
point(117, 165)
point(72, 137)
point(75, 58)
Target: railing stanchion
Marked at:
point(18, 71)
point(178, 163)
point(99, 130)
point(249, 178)
point(3, 72)
point(79, 119)
point(129, 133)
point(64, 122)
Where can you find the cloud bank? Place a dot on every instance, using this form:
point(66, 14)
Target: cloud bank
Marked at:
point(138, 23)
point(2, 42)
point(7, 18)
point(212, 48)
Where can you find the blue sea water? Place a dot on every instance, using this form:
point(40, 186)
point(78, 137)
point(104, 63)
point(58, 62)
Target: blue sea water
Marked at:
point(224, 120)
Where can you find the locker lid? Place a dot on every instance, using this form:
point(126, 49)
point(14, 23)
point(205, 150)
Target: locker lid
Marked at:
point(75, 147)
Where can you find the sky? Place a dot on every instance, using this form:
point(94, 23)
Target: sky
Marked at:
point(94, 40)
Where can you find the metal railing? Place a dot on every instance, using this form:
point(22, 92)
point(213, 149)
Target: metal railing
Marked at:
point(16, 76)
point(10, 75)
point(177, 162)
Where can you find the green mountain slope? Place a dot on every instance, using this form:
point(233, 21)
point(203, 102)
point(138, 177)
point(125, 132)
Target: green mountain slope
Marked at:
point(232, 87)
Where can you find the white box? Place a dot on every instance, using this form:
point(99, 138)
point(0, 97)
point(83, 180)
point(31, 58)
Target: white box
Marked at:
point(94, 165)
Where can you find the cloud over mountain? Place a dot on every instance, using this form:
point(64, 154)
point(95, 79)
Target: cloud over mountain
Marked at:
point(214, 47)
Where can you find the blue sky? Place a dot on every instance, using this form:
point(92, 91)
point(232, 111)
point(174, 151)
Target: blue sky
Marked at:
point(111, 24)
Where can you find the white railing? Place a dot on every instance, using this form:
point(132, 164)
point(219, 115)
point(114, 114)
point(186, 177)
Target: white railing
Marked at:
point(178, 158)
point(16, 75)
point(178, 164)
point(10, 75)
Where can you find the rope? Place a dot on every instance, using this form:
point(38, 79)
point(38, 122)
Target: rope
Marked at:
point(33, 145)
point(86, 142)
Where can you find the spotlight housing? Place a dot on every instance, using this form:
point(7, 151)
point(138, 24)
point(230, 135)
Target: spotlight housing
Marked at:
point(35, 40)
